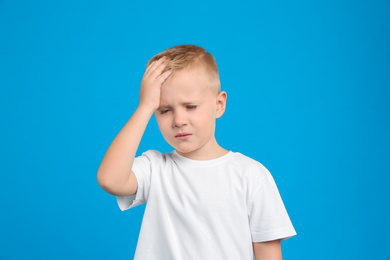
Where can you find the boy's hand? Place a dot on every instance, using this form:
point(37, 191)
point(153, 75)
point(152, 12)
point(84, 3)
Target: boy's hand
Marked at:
point(151, 83)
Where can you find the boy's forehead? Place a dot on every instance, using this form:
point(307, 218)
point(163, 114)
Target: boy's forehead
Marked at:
point(189, 80)
point(184, 87)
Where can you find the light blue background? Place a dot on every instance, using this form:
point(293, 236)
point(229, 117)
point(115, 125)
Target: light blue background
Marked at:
point(308, 96)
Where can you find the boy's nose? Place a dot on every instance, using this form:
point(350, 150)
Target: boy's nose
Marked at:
point(178, 120)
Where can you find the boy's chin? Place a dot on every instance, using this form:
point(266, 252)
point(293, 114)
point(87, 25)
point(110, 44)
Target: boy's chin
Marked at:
point(182, 147)
point(182, 151)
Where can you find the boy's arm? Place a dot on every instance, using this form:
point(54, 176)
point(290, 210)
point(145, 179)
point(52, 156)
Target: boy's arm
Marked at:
point(115, 175)
point(270, 250)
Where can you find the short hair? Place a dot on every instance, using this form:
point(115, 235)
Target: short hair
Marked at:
point(189, 56)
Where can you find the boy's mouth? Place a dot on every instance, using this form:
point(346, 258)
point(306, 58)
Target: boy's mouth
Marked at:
point(182, 136)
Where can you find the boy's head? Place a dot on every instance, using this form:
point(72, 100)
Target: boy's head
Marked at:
point(191, 57)
point(190, 102)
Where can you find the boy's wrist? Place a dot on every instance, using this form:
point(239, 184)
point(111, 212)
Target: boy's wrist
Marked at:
point(146, 109)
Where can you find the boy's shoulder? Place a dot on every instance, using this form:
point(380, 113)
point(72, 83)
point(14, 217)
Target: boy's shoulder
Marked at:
point(248, 164)
point(241, 158)
point(152, 153)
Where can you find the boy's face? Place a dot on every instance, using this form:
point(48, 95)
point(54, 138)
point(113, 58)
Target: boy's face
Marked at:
point(187, 113)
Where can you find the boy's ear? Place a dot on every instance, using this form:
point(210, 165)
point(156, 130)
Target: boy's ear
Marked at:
point(221, 104)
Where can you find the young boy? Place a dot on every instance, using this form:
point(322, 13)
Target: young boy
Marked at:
point(203, 201)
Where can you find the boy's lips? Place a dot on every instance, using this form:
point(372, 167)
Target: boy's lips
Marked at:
point(182, 136)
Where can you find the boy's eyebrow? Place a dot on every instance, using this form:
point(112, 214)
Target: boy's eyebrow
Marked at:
point(183, 104)
point(163, 107)
point(190, 103)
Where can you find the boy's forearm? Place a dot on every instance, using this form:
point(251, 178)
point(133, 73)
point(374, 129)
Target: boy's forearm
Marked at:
point(115, 167)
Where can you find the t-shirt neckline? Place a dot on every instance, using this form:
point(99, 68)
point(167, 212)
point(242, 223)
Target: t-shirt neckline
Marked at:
point(180, 158)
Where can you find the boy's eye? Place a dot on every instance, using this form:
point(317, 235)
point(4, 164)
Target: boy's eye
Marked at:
point(163, 111)
point(191, 106)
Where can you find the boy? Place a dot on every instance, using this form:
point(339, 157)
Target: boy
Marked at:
point(203, 201)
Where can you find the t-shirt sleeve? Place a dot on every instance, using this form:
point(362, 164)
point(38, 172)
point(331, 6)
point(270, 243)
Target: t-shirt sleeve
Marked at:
point(268, 218)
point(142, 168)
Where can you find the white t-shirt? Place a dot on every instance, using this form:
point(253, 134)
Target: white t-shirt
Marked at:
point(211, 209)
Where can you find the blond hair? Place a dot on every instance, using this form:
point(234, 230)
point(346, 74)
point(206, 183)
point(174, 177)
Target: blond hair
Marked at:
point(189, 56)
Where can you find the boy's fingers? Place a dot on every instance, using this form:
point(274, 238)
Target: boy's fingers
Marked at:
point(165, 75)
point(154, 64)
point(158, 70)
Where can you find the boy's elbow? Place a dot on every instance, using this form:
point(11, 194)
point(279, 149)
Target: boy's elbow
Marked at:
point(103, 181)
point(110, 183)
point(100, 179)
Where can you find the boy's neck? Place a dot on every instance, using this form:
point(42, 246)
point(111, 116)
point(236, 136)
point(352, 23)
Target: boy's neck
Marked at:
point(213, 152)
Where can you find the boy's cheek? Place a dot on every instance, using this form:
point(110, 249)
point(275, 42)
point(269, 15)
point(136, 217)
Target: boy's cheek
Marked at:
point(165, 126)
point(160, 121)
